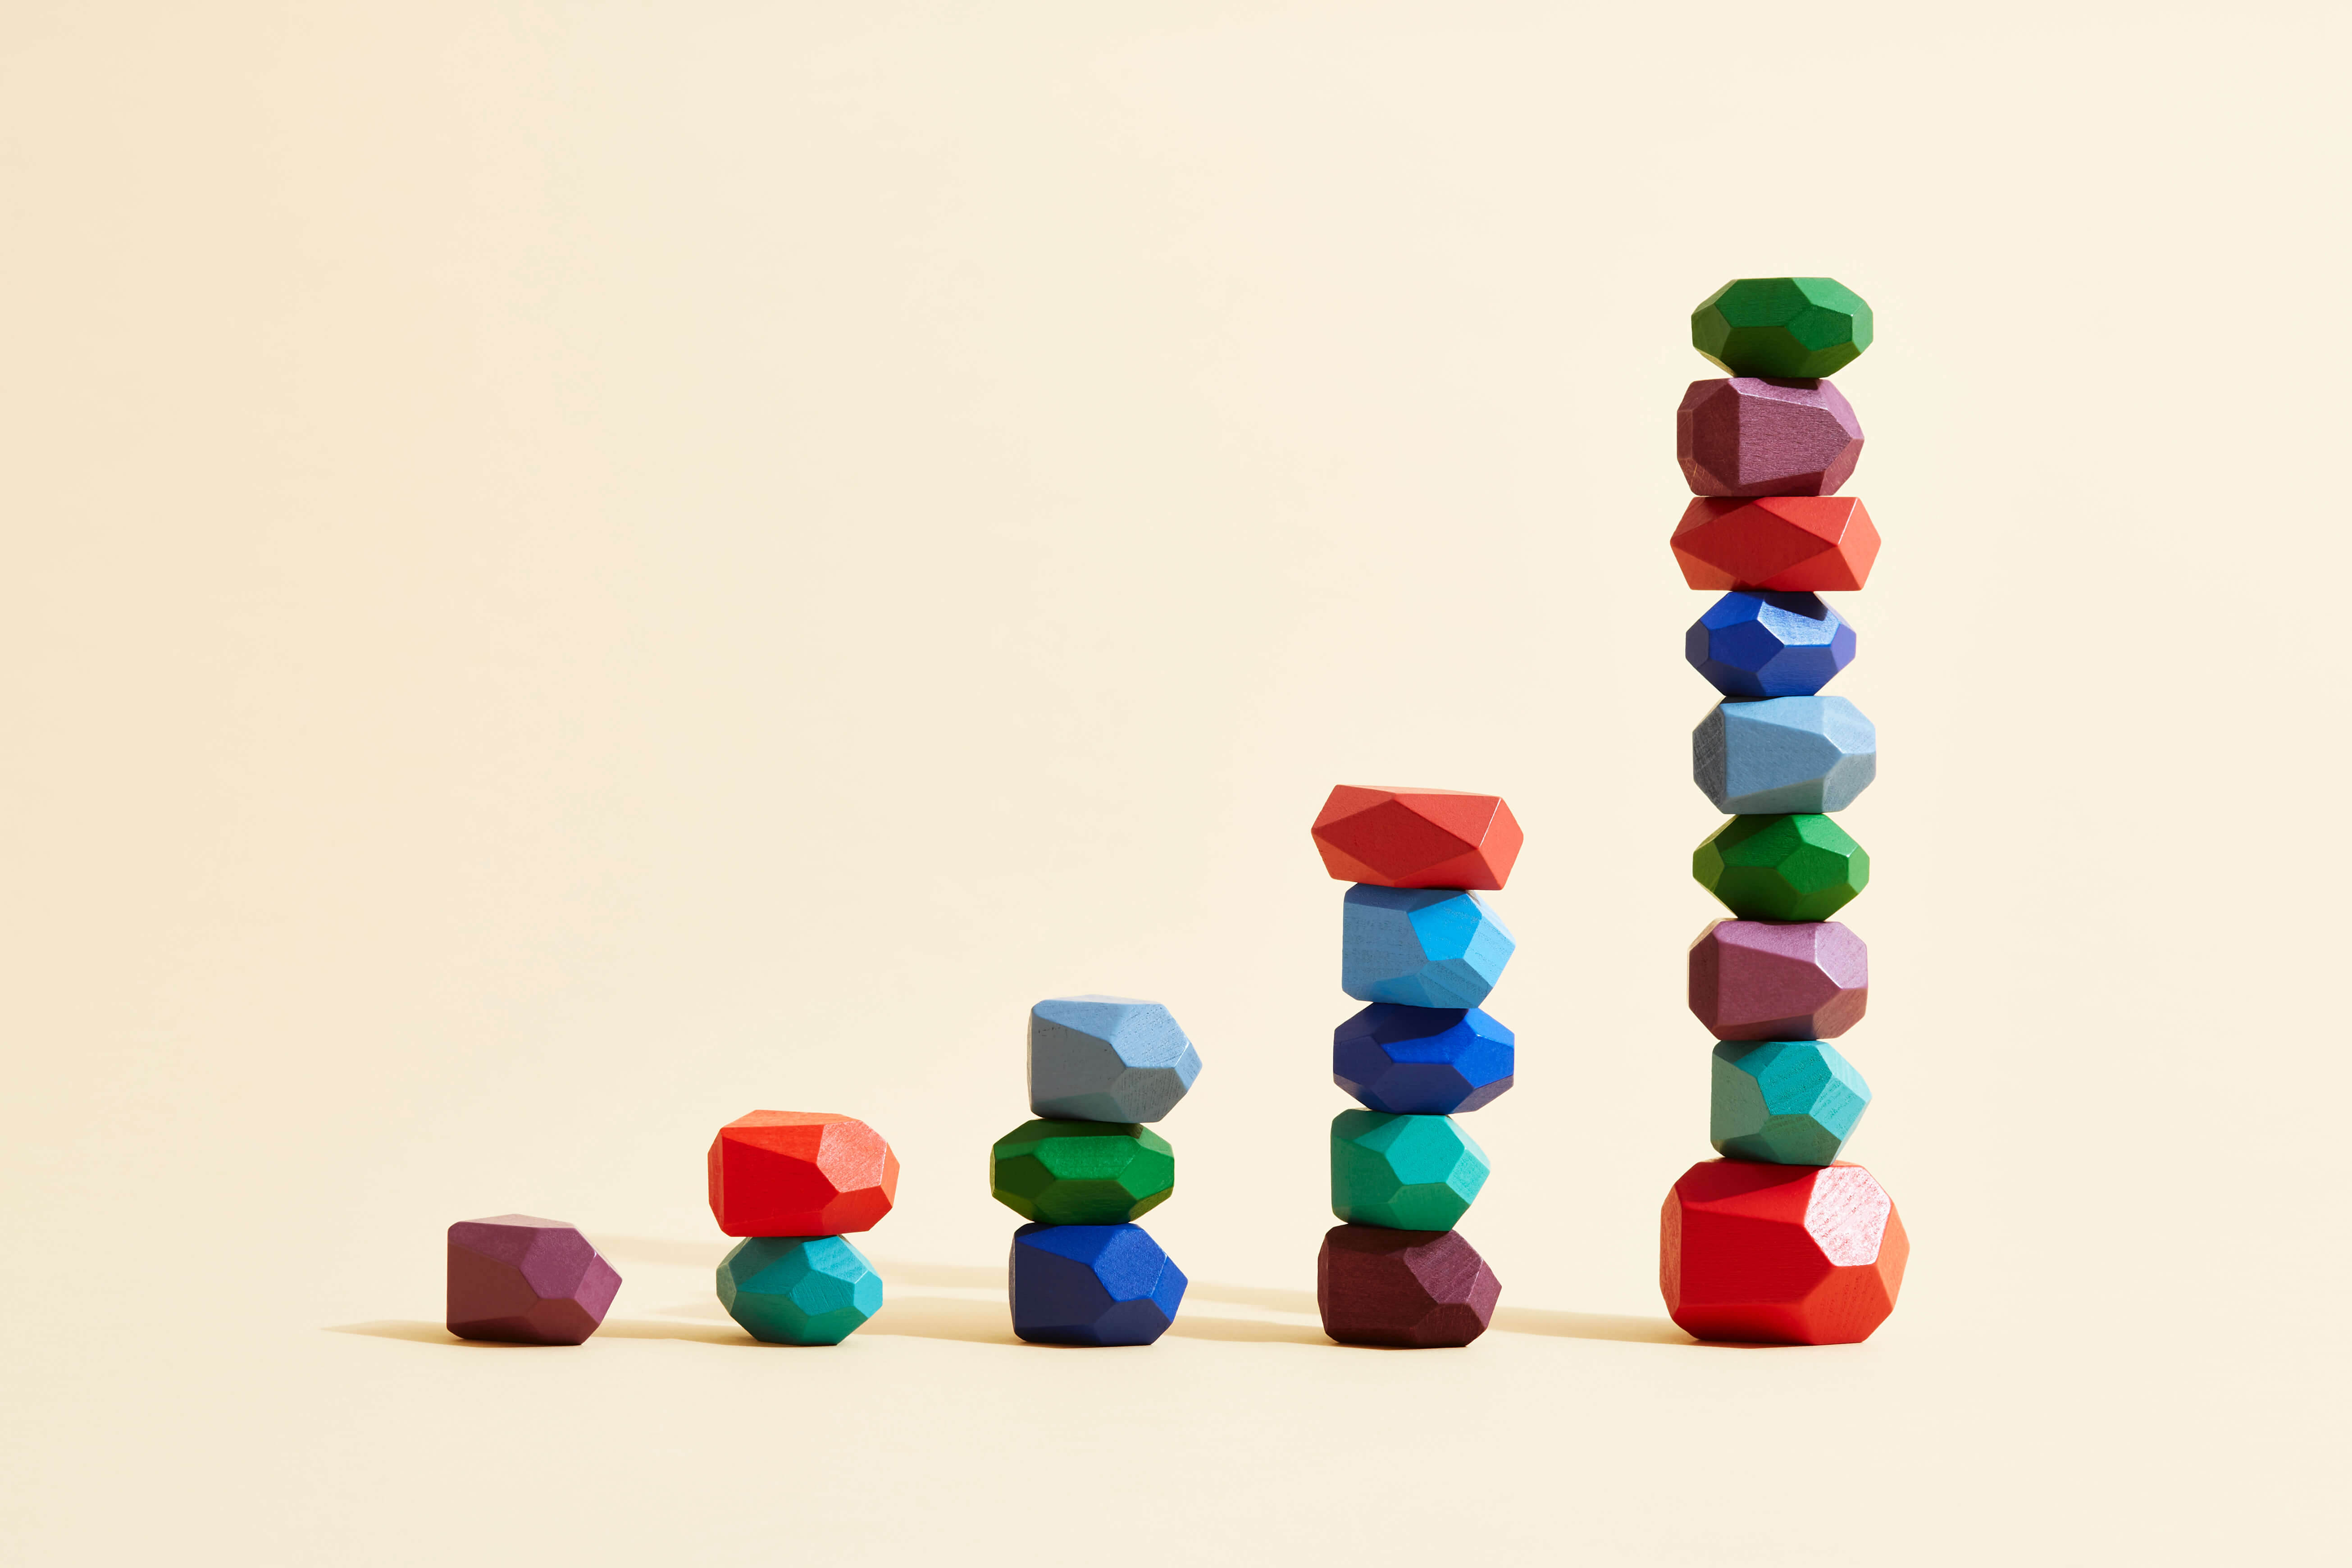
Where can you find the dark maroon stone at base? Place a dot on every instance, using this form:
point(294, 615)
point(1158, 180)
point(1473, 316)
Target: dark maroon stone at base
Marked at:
point(1415, 1289)
point(525, 1281)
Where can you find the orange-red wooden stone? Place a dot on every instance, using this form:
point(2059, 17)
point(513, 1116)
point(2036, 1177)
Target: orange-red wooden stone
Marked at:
point(800, 1173)
point(1783, 1254)
point(1779, 543)
point(1417, 837)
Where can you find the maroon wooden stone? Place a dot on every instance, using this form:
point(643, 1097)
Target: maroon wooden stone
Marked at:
point(518, 1280)
point(1414, 1290)
point(1745, 435)
point(1759, 980)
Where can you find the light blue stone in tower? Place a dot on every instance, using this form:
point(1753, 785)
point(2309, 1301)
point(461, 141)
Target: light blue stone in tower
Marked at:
point(1420, 947)
point(1784, 756)
point(1107, 1058)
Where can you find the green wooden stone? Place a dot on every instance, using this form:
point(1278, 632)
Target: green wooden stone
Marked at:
point(1787, 328)
point(1403, 1172)
point(1081, 1173)
point(1796, 867)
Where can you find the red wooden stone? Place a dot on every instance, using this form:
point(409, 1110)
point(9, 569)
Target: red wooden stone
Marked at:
point(1417, 837)
point(800, 1173)
point(1777, 544)
point(1783, 1254)
point(1413, 1289)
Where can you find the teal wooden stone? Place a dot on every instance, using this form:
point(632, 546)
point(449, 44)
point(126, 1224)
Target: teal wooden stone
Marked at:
point(1784, 1103)
point(799, 1290)
point(1403, 1173)
point(1795, 329)
point(1420, 947)
point(1784, 754)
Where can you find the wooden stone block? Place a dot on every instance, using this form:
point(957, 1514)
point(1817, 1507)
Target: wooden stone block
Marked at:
point(1420, 947)
point(1092, 1285)
point(1081, 1173)
point(799, 1291)
point(1770, 645)
point(1801, 867)
point(1784, 754)
point(1783, 327)
point(1783, 1102)
point(516, 1280)
point(1422, 1061)
point(1788, 1255)
point(1406, 1172)
point(1748, 436)
point(1750, 979)
point(1108, 1058)
point(800, 1173)
point(1413, 1289)
point(1417, 837)
point(1786, 543)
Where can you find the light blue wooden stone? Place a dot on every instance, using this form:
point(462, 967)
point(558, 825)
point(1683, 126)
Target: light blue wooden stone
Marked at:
point(1784, 1103)
point(1422, 947)
point(1107, 1058)
point(1783, 755)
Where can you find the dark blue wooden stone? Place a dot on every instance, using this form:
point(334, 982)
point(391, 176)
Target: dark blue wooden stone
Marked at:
point(1770, 645)
point(1422, 1061)
point(1092, 1285)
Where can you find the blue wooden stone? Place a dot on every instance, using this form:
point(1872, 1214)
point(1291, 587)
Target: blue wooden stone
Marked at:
point(1092, 1285)
point(1107, 1058)
point(799, 1290)
point(1783, 755)
point(1420, 947)
point(1422, 1061)
point(1769, 645)
point(1784, 1103)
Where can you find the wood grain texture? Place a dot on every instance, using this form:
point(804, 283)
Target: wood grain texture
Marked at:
point(1413, 1289)
point(1417, 837)
point(1786, 543)
point(1780, 1253)
point(800, 1173)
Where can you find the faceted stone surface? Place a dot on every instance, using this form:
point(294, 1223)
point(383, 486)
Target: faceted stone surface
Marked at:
point(1414, 1290)
point(800, 1173)
point(1092, 1285)
point(1754, 981)
point(1788, 867)
point(1406, 1173)
point(1788, 1255)
point(799, 1291)
point(1107, 1058)
point(1784, 1103)
point(1081, 1173)
point(516, 1280)
point(1769, 645)
point(1746, 436)
point(1784, 754)
point(1420, 947)
point(1786, 543)
point(1422, 1061)
point(1783, 327)
point(1417, 837)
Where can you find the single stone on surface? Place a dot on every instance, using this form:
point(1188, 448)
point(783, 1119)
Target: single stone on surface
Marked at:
point(1749, 436)
point(520, 1280)
point(1108, 1058)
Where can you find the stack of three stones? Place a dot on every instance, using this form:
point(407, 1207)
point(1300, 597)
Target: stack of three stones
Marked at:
point(1778, 1242)
point(1419, 946)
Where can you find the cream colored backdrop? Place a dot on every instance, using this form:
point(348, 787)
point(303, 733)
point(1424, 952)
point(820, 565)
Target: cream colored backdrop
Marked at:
point(575, 569)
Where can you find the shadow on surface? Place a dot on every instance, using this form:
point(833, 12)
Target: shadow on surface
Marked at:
point(1590, 1326)
point(1246, 1330)
point(944, 1318)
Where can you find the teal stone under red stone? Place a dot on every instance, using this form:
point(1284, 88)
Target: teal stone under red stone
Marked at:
point(521, 1280)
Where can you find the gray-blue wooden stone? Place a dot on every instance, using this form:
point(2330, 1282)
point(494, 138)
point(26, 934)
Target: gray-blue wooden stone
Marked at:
point(1784, 754)
point(1107, 1058)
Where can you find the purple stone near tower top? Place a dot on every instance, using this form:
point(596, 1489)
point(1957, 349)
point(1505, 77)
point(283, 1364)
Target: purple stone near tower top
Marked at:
point(1760, 980)
point(525, 1281)
point(1743, 435)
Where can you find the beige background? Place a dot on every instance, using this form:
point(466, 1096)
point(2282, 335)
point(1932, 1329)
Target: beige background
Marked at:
point(577, 568)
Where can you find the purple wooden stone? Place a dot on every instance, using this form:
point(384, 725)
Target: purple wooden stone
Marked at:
point(1746, 436)
point(1760, 980)
point(525, 1281)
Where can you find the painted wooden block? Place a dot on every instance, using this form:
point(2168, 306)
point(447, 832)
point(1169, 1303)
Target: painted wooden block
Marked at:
point(1417, 837)
point(1092, 1285)
point(1786, 867)
point(1770, 645)
point(800, 1173)
point(1789, 1255)
point(516, 1279)
point(1786, 543)
point(799, 1291)
point(1422, 947)
point(1784, 754)
point(1750, 979)
point(1406, 1172)
point(1412, 1290)
point(1783, 327)
point(1107, 1058)
point(1422, 1061)
point(1081, 1173)
point(1783, 1102)
point(1748, 436)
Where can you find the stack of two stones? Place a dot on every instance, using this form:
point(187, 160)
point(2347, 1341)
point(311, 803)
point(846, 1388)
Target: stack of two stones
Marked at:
point(1423, 950)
